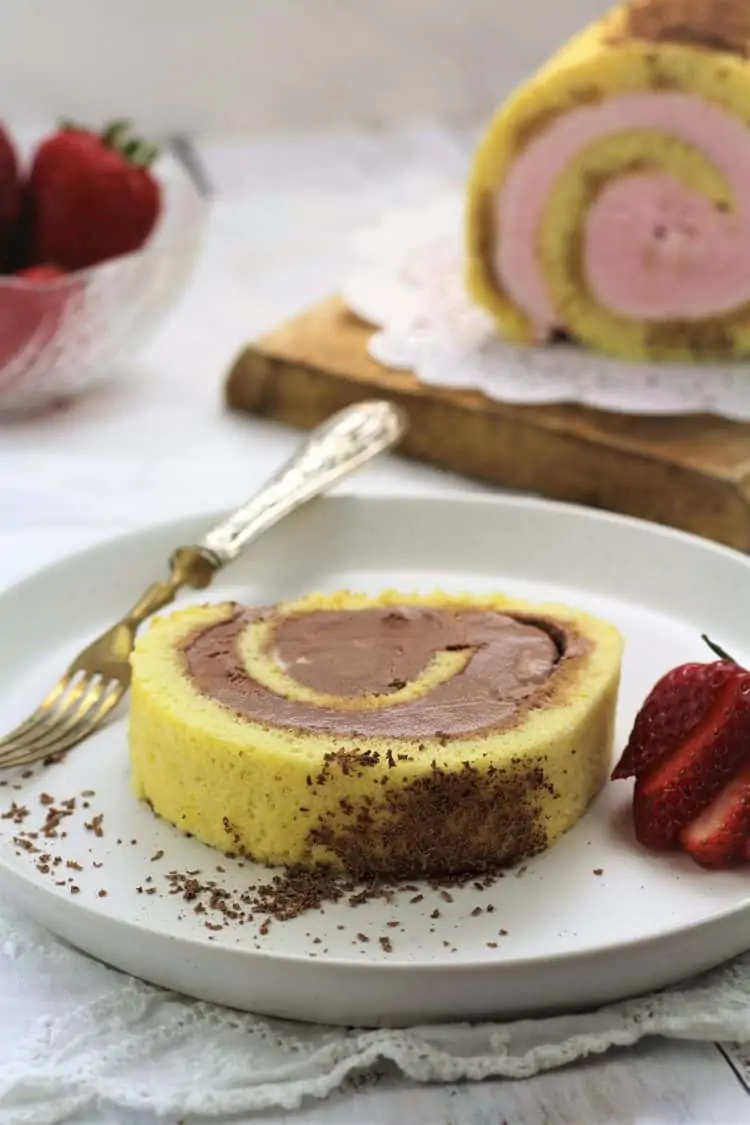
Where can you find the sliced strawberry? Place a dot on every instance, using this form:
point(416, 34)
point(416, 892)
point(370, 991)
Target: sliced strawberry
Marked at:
point(682, 784)
point(720, 836)
point(674, 708)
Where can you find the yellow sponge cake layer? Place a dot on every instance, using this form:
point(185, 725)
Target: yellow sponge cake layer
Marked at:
point(407, 735)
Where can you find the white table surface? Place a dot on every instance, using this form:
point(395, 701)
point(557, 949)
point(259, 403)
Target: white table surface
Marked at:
point(157, 443)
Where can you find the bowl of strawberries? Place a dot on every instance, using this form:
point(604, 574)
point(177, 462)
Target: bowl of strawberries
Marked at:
point(98, 237)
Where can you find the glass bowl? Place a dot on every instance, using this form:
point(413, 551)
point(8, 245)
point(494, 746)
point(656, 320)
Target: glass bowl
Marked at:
point(60, 337)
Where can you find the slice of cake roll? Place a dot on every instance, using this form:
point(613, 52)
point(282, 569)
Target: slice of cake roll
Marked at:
point(610, 197)
point(395, 735)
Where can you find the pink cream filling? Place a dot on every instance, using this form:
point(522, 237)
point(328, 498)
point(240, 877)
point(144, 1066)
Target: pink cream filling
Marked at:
point(651, 248)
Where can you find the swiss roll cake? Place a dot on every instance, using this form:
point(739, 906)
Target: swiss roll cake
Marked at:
point(399, 735)
point(609, 199)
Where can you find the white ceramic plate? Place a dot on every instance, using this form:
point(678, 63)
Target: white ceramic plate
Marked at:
point(575, 938)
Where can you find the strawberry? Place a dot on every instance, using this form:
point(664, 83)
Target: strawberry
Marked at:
point(92, 196)
point(689, 740)
point(674, 792)
point(10, 191)
point(31, 316)
point(45, 272)
point(720, 836)
point(675, 706)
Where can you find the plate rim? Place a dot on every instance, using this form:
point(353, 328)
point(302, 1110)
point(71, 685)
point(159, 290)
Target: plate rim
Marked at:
point(385, 496)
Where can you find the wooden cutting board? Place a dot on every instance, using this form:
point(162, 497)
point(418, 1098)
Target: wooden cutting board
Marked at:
point(691, 472)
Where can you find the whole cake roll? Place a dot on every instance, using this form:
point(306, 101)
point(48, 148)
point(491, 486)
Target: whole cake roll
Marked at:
point(396, 735)
point(610, 197)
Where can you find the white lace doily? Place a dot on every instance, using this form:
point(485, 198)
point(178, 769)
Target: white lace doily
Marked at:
point(408, 280)
point(90, 1036)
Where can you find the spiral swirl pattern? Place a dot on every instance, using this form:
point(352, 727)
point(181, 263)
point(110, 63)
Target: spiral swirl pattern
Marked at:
point(404, 672)
point(609, 197)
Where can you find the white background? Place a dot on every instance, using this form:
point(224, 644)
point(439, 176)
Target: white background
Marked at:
point(274, 64)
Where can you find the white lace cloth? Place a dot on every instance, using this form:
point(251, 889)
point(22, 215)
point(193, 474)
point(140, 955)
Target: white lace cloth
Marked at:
point(94, 1036)
point(408, 280)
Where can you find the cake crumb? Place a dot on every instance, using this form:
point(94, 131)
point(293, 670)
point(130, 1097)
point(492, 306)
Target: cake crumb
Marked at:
point(17, 813)
point(95, 825)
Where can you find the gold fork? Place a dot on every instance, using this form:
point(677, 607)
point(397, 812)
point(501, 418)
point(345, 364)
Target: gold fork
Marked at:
point(99, 676)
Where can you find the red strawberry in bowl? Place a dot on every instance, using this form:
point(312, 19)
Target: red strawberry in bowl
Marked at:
point(90, 199)
point(33, 307)
point(45, 272)
point(92, 196)
point(10, 192)
point(689, 751)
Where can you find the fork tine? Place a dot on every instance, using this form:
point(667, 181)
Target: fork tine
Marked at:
point(74, 708)
point(85, 723)
point(48, 720)
point(42, 712)
point(74, 730)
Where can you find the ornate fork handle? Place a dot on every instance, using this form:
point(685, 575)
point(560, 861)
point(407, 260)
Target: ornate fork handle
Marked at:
point(345, 442)
point(342, 444)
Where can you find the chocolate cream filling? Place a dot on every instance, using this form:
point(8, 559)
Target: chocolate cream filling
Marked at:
point(377, 652)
